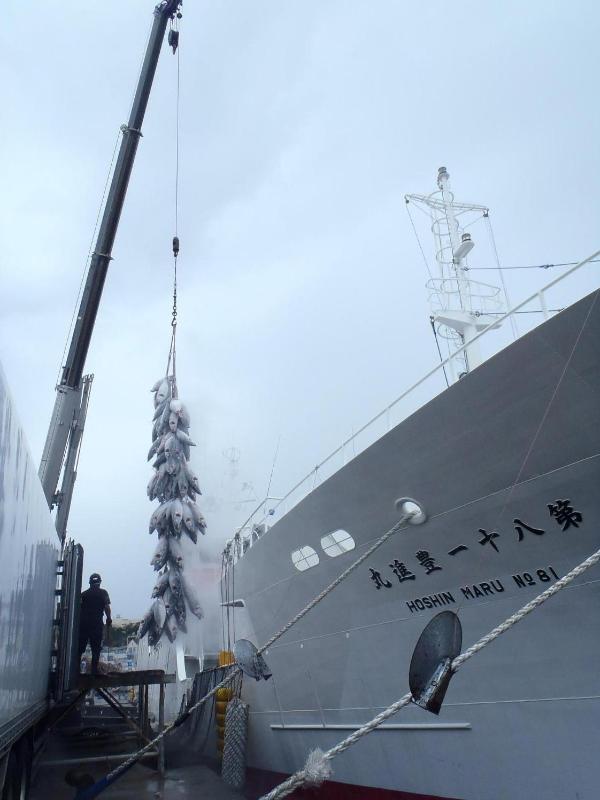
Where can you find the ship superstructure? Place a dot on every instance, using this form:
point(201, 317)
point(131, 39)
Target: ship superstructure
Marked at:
point(461, 306)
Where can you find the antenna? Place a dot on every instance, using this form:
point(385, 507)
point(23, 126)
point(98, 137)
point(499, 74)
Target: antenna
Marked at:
point(273, 466)
point(232, 454)
point(461, 307)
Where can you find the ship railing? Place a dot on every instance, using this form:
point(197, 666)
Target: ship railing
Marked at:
point(448, 294)
point(528, 314)
point(252, 529)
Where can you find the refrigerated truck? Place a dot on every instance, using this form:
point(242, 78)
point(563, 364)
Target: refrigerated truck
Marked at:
point(29, 560)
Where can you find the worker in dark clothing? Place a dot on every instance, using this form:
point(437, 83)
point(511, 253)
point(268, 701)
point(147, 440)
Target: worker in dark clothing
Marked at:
point(95, 602)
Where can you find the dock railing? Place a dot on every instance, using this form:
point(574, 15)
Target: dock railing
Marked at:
point(539, 306)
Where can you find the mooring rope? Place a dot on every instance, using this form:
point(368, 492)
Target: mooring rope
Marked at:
point(93, 791)
point(318, 768)
point(394, 529)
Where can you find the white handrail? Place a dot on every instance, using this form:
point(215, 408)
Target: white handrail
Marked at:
point(437, 369)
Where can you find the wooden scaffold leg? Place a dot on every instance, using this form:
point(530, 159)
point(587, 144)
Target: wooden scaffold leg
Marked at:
point(161, 725)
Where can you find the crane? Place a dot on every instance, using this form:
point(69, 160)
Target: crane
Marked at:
point(72, 393)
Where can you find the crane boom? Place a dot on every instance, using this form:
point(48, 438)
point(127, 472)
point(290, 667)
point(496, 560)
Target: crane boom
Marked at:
point(69, 390)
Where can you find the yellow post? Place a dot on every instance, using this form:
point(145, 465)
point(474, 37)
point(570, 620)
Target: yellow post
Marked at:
point(223, 696)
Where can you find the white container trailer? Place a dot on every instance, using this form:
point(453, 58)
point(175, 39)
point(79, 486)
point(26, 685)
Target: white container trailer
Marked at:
point(29, 552)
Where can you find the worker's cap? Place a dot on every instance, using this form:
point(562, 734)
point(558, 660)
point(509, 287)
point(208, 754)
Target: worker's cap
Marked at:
point(95, 578)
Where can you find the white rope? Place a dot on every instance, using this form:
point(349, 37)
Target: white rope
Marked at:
point(152, 744)
point(403, 519)
point(236, 670)
point(317, 767)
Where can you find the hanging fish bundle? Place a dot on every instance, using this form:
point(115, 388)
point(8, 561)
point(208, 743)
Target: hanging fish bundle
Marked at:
point(176, 487)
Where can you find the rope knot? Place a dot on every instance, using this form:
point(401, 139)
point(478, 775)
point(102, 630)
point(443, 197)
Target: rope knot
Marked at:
point(317, 768)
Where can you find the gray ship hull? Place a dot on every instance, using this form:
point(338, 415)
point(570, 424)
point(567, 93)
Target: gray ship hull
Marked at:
point(493, 454)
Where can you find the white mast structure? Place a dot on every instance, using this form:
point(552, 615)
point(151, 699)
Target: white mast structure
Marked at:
point(461, 307)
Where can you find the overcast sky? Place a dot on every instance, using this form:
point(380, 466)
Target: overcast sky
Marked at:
point(302, 303)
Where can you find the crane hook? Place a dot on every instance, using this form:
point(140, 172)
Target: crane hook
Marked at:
point(173, 39)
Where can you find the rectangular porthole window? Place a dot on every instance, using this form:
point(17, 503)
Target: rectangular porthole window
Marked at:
point(336, 543)
point(305, 558)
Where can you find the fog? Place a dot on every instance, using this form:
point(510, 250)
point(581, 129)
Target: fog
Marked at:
point(302, 308)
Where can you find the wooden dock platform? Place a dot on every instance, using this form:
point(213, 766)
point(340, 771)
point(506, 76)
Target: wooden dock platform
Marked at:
point(89, 738)
point(135, 717)
point(113, 680)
